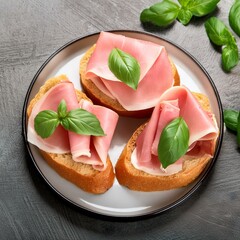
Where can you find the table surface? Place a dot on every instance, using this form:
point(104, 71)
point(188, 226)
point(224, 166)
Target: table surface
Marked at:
point(30, 30)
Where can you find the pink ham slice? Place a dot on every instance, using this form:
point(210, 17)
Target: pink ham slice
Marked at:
point(175, 102)
point(86, 149)
point(156, 74)
point(108, 120)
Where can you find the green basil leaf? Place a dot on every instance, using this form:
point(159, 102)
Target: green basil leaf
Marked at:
point(184, 3)
point(45, 123)
point(160, 14)
point(231, 119)
point(82, 122)
point(184, 16)
point(62, 109)
point(234, 17)
point(230, 57)
point(201, 8)
point(217, 32)
point(173, 142)
point(238, 130)
point(125, 67)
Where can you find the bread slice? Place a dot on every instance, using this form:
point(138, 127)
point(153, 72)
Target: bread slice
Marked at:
point(82, 175)
point(100, 98)
point(128, 176)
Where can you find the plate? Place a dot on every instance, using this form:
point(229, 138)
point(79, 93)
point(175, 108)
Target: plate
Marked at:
point(119, 202)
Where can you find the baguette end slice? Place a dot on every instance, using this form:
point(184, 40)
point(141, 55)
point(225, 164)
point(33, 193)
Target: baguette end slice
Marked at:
point(82, 175)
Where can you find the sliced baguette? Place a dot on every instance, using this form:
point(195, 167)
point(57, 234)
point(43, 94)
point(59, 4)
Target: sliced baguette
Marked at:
point(128, 176)
point(82, 175)
point(100, 98)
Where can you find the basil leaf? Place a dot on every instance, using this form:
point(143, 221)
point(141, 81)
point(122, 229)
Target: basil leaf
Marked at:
point(160, 14)
point(201, 8)
point(234, 17)
point(230, 57)
point(173, 142)
point(217, 31)
point(238, 130)
point(125, 67)
point(184, 3)
point(184, 16)
point(45, 123)
point(231, 119)
point(62, 109)
point(82, 122)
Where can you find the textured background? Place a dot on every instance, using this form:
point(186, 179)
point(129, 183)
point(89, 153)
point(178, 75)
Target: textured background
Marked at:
point(30, 30)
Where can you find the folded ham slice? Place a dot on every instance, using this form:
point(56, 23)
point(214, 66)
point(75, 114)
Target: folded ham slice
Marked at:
point(175, 102)
point(86, 149)
point(156, 74)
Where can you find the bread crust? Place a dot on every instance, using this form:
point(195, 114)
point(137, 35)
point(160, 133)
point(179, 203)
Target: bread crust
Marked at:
point(128, 176)
point(98, 97)
point(82, 175)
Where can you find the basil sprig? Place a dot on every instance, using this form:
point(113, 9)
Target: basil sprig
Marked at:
point(220, 35)
point(232, 122)
point(173, 142)
point(234, 17)
point(78, 120)
point(125, 67)
point(166, 12)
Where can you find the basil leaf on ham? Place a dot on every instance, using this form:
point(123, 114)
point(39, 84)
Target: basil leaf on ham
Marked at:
point(45, 123)
point(78, 120)
point(82, 122)
point(125, 67)
point(173, 143)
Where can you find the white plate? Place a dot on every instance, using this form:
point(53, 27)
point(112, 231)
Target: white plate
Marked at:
point(119, 201)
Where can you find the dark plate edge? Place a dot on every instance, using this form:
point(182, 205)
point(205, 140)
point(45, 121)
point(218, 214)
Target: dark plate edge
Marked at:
point(155, 212)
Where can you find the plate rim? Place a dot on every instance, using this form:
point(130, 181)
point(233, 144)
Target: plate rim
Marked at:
point(153, 212)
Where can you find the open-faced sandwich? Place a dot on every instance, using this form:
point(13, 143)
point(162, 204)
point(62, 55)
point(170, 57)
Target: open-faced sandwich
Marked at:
point(127, 75)
point(72, 134)
point(172, 149)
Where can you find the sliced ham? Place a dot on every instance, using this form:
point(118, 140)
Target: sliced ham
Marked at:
point(86, 149)
point(108, 120)
point(156, 74)
point(175, 102)
point(58, 142)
